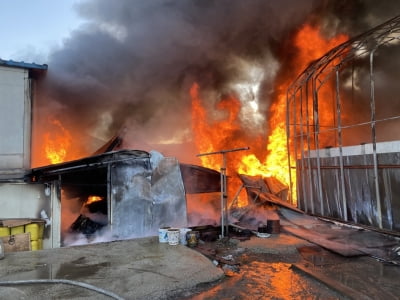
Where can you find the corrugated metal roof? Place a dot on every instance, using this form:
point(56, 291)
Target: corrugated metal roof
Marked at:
point(23, 65)
point(90, 162)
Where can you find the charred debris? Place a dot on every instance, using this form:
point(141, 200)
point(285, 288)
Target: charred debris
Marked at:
point(137, 192)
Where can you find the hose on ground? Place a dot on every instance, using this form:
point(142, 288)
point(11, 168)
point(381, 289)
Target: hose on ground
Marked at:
point(65, 281)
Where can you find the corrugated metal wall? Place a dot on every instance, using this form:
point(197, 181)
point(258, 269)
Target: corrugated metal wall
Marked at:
point(356, 200)
point(343, 140)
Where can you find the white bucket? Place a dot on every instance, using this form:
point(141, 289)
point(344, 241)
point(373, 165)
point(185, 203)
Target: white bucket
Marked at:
point(182, 235)
point(173, 236)
point(163, 234)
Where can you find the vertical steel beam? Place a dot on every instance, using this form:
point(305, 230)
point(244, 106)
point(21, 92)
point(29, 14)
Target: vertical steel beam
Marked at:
point(340, 145)
point(316, 138)
point(224, 195)
point(294, 137)
point(302, 147)
point(373, 135)
point(310, 174)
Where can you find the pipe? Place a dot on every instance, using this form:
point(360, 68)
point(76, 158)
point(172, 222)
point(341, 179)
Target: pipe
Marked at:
point(224, 195)
point(65, 281)
point(224, 151)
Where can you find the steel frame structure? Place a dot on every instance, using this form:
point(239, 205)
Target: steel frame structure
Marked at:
point(307, 131)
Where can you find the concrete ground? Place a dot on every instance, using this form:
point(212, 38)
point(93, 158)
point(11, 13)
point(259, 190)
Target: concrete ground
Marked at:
point(130, 269)
point(281, 266)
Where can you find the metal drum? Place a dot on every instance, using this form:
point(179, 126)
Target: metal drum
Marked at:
point(192, 238)
point(273, 226)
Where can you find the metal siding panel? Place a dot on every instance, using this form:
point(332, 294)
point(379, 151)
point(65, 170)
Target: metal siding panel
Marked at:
point(143, 199)
point(15, 118)
point(168, 194)
point(130, 198)
point(359, 181)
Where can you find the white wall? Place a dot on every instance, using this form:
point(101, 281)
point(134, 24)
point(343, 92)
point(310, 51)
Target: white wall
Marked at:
point(382, 147)
point(26, 201)
point(15, 121)
point(21, 200)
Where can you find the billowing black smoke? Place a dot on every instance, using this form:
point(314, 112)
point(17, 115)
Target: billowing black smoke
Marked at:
point(132, 64)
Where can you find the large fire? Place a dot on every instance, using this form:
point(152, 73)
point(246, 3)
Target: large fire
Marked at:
point(53, 143)
point(219, 135)
point(215, 135)
point(57, 142)
point(218, 128)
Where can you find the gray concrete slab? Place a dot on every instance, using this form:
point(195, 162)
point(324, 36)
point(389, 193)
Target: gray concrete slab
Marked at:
point(131, 269)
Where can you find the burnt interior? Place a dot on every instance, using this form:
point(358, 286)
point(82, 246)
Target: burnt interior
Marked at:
point(77, 187)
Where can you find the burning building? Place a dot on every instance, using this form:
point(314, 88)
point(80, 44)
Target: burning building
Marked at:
point(342, 115)
point(215, 83)
point(125, 193)
point(115, 195)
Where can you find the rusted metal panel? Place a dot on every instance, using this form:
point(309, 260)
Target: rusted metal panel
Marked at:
point(198, 179)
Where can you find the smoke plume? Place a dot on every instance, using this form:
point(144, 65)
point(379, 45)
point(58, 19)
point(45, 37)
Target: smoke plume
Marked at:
point(132, 63)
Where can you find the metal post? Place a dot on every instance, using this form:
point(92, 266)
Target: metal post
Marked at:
point(289, 154)
point(224, 195)
point(373, 133)
point(316, 138)
point(340, 144)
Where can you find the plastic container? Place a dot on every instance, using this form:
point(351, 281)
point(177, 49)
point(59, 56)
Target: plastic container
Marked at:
point(33, 229)
point(34, 245)
point(182, 235)
point(163, 234)
point(4, 231)
point(192, 238)
point(173, 236)
point(40, 244)
point(17, 230)
point(41, 230)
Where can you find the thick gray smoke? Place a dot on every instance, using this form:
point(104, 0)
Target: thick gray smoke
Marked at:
point(132, 64)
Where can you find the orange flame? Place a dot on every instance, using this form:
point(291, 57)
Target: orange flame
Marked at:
point(92, 199)
point(57, 142)
point(215, 132)
point(310, 45)
point(217, 135)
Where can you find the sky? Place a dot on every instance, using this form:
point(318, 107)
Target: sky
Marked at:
point(31, 29)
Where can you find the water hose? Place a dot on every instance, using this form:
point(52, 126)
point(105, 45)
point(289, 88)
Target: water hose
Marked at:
point(65, 281)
